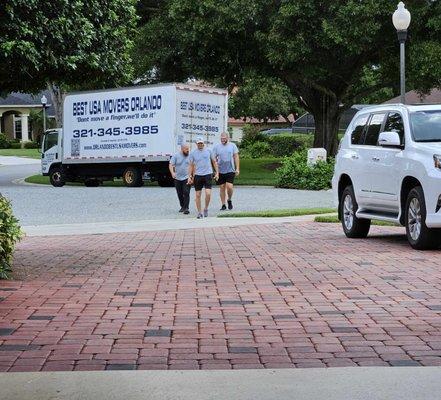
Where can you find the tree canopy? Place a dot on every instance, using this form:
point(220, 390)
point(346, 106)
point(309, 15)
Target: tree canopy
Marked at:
point(80, 43)
point(329, 54)
point(263, 98)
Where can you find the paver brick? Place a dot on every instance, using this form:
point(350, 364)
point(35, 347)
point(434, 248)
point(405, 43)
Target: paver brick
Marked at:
point(266, 296)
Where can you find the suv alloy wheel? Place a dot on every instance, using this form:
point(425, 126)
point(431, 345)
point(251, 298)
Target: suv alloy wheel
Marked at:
point(352, 226)
point(418, 234)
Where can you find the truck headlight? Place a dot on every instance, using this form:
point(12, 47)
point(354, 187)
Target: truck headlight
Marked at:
point(437, 160)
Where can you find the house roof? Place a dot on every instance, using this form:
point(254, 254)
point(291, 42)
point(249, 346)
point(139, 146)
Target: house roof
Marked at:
point(27, 99)
point(279, 120)
point(413, 97)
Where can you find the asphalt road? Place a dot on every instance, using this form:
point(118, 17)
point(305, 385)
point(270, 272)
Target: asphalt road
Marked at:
point(44, 205)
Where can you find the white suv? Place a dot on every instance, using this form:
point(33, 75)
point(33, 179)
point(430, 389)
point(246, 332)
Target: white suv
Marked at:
point(388, 168)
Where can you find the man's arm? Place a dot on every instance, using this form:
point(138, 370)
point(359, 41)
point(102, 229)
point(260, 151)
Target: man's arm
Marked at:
point(172, 170)
point(215, 167)
point(237, 163)
point(190, 172)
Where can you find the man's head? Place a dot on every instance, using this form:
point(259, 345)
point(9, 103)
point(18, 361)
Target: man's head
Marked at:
point(224, 138)
point(200, 143)
point(185, 149)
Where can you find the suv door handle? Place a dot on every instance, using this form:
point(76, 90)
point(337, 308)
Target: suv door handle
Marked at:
point(354, 157)
point(375, 159)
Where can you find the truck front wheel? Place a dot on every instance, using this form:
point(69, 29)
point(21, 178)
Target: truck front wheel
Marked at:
point(132, 177)
point(57, 177)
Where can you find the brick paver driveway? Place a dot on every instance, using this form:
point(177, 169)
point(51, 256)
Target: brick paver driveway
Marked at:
point(267, 296)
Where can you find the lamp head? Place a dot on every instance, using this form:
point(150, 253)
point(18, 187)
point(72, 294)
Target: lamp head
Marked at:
point(401, 17)
point(43, 100)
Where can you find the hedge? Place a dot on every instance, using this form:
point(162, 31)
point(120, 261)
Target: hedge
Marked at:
point(10, 234)
point(296, 174)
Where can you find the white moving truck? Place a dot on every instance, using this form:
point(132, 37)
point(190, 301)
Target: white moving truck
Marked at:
point(130, 133)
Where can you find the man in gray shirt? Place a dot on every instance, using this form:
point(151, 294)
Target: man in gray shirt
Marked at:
point(227, 157)
point(179, 171)
point(200, 173)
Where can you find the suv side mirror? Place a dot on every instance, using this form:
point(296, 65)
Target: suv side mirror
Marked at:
point(389, 139)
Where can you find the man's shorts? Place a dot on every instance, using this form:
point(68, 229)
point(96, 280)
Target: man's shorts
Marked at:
point(226, 178)
point(202, 181)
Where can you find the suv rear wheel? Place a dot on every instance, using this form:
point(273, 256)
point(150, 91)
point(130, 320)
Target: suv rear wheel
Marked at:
point(353, 227)
point(418, 234)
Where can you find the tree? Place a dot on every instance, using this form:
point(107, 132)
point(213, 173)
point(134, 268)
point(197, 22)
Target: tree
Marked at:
point(75, 44)
point(329, 54)
point(263, 98)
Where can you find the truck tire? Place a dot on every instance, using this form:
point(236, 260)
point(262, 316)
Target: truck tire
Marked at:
point(132, 177)
point(353, 227)
point(420, 237)
point(57, 177)
point(92, 183)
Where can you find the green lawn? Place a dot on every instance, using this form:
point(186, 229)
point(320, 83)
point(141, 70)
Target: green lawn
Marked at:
point(258, 171)
point(44, 180)
point(30, 153)
point(333, 219)
point(279, 213)
point(252, 172)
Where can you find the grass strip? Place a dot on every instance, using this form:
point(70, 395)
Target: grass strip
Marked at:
point(333, 219)
point(28, 153)
point(278, 213)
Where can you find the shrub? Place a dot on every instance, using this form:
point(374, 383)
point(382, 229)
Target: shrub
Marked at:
point(5, 142)
point(15, 145)
point(10, 234)
point(31, 145)
point(257, 150)
point(251, 134)
point(283, 145)
point(296, 174)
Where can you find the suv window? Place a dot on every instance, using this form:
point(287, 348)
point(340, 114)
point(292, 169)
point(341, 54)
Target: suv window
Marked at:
point(394, 123)
point(374, 129)
point(357, 133)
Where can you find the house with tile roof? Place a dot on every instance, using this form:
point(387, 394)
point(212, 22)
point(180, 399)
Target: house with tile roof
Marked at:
point(15, 109)
point(413, 97)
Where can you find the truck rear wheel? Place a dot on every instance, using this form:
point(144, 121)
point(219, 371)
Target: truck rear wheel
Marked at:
point(57, 177)
point(132, 177)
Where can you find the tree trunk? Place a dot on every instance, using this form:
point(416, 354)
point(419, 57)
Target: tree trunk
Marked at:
point(327, 115)
point(324, 105)
point(57, 97)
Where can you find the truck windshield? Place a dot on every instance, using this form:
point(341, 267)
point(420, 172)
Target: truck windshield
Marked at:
point(50, 140)
point(426, 126)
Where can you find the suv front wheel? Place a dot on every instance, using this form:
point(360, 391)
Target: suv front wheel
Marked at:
point(418, 234)
point(353, 227)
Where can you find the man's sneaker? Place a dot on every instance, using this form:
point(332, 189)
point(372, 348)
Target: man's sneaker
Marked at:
point(224, 207)
point(186, 212)
point(206, 213)
point(230, 205)
point(181, 209)
point(200, 216)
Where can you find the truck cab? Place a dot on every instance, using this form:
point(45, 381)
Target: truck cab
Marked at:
point(51, 149)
